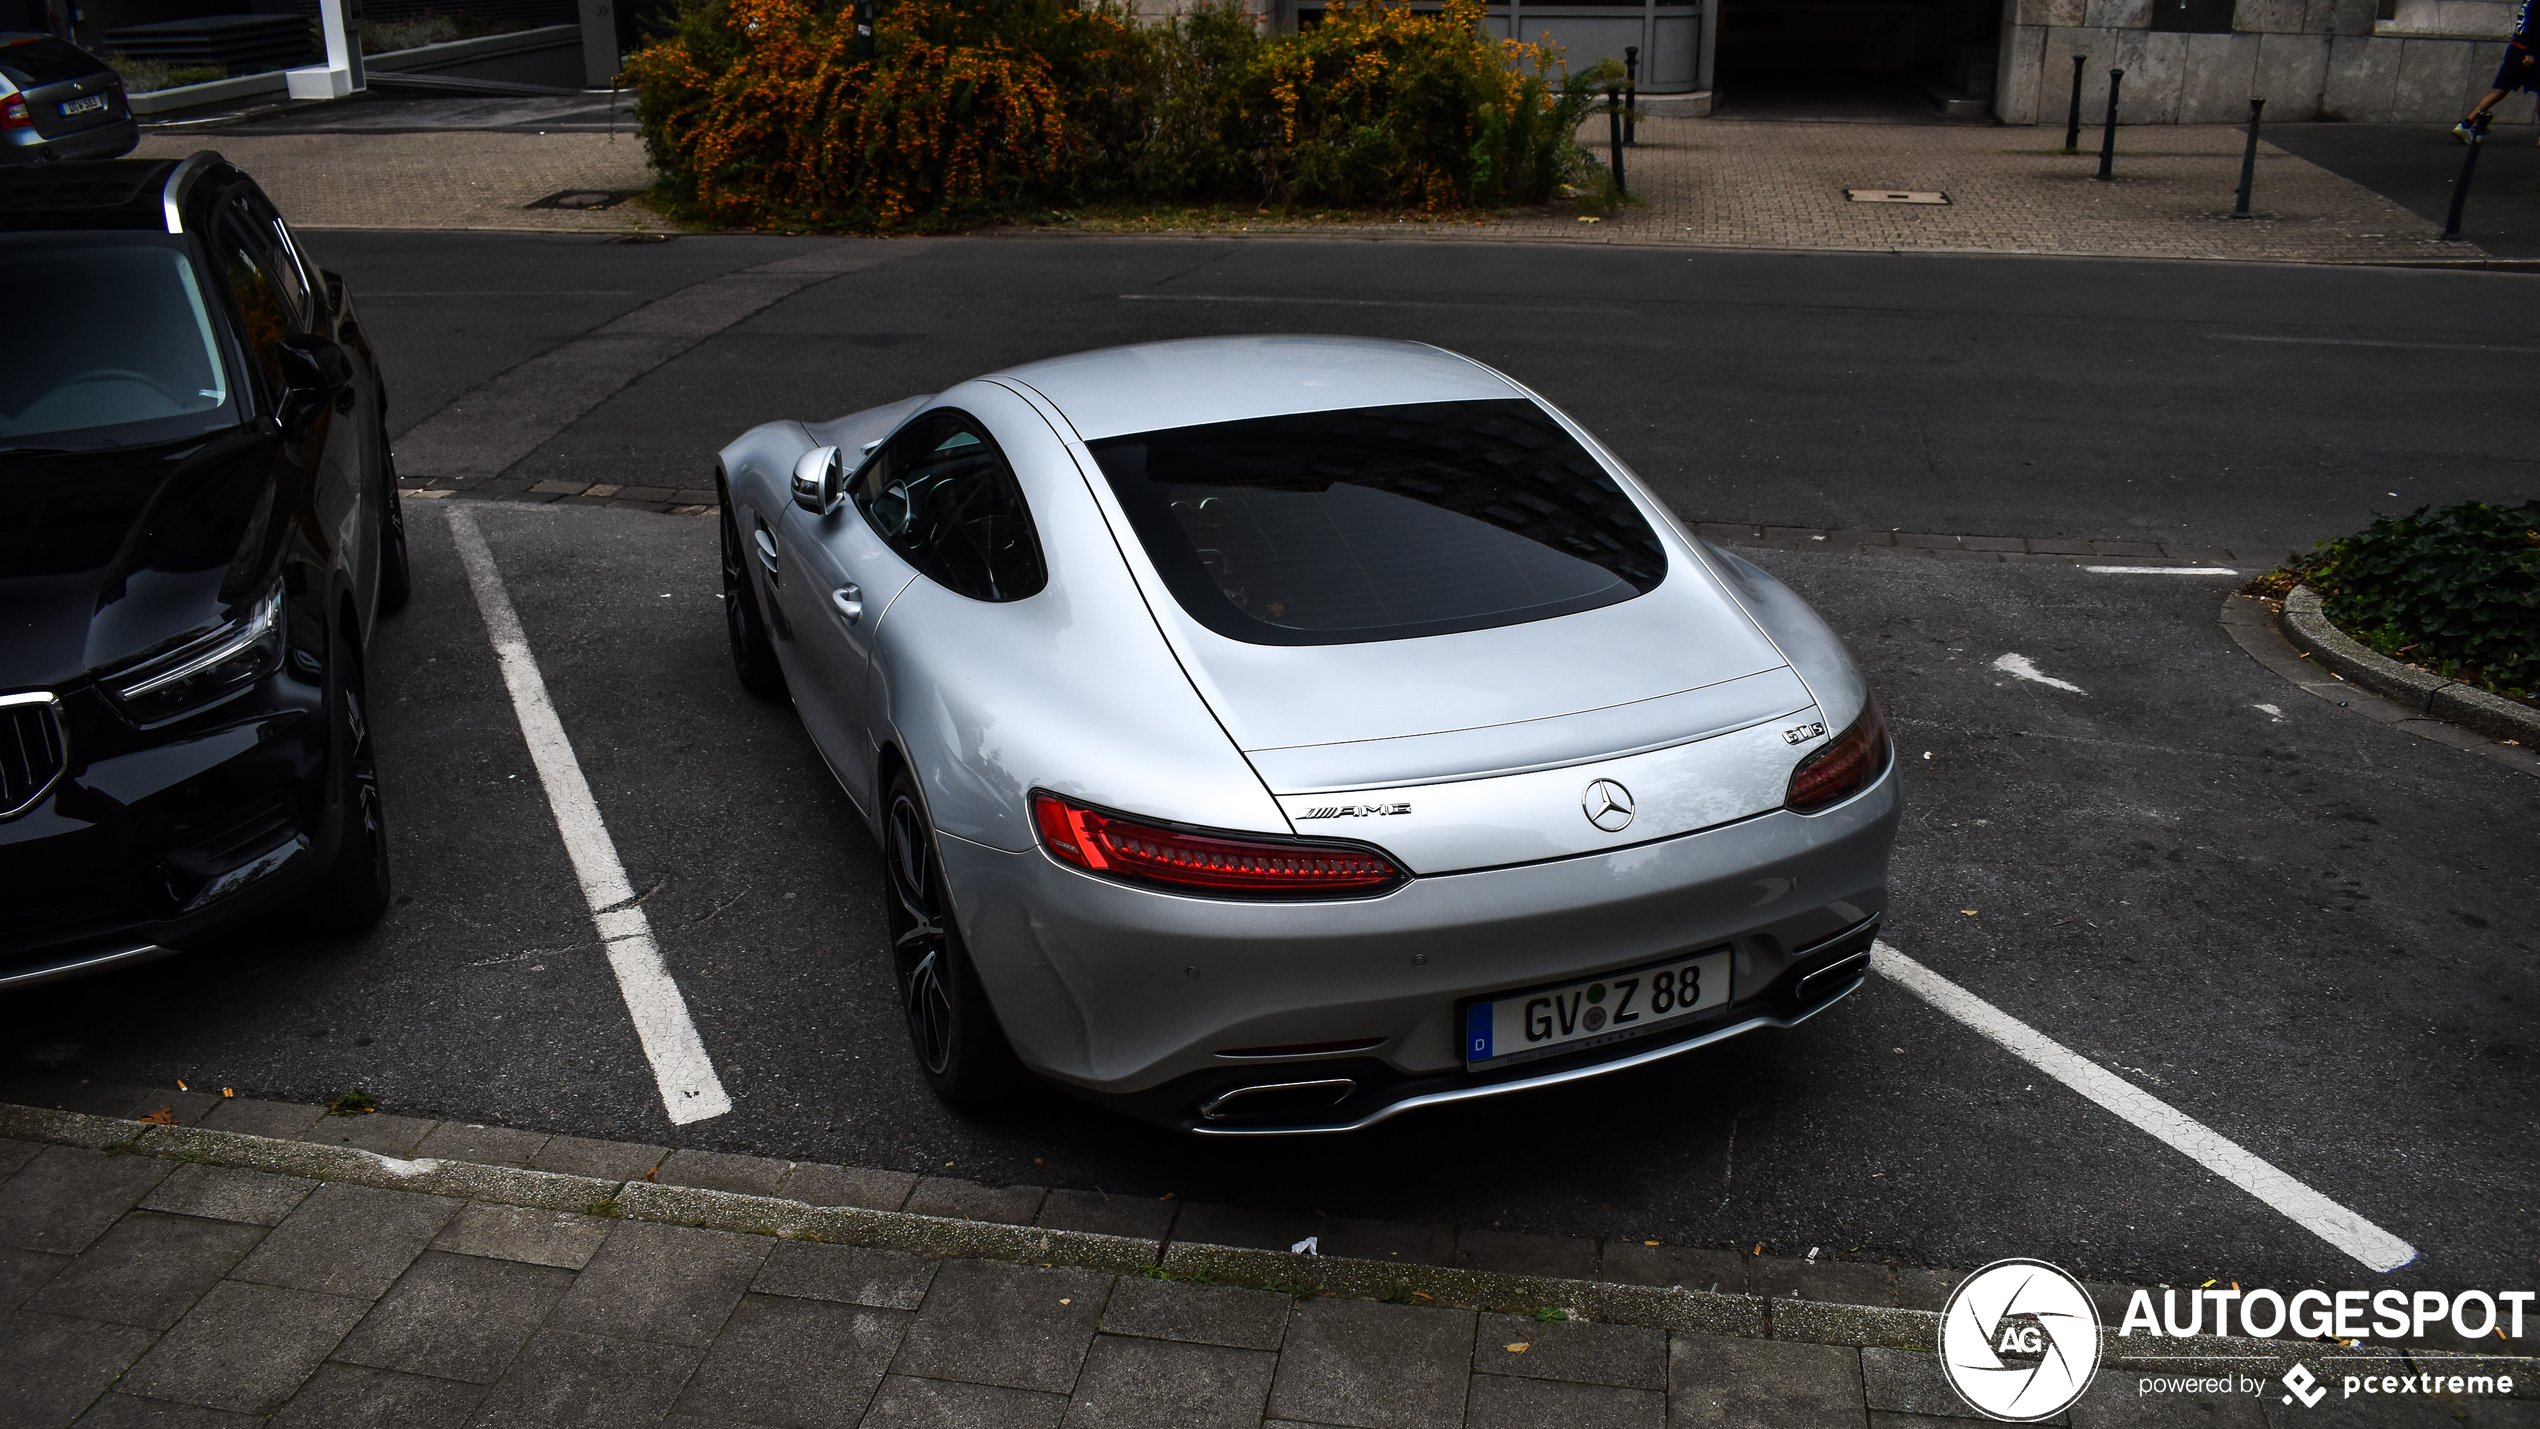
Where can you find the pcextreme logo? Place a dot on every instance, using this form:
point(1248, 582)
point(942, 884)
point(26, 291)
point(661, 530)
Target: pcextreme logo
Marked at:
point(2019, 1341)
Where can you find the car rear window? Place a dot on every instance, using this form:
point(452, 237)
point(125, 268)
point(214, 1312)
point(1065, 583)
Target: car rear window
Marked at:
point(1381, 523)
point(29, 63)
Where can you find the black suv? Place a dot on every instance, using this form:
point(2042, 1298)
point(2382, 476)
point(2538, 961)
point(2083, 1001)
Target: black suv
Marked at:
point(198, 526)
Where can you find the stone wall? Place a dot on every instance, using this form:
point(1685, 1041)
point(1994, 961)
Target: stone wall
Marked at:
point(2309, 59)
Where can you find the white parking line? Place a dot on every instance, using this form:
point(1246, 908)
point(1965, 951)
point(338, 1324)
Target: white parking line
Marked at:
point(2161, 570)
point(690, 1091)
point(2305, 1207)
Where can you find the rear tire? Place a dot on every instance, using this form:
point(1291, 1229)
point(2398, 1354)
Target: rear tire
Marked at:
point(753, 654)
point(953, 1033)
point(354, 890)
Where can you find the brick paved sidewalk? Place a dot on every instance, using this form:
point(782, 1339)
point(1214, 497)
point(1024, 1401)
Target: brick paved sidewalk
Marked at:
point(454, 180)
point(1702, 184)
point(170, 1275)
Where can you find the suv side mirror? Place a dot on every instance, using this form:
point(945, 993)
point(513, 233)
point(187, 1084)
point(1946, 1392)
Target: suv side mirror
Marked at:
point(820, 480)
point(313, 365)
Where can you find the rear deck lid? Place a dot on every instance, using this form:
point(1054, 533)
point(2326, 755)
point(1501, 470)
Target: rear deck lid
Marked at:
point(1429, 591)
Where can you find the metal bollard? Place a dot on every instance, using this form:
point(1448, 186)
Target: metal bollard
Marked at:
point(2072, 119)
point(864, 30)
point(2108, 140)
point(1614, 138)
point(2469, 166)
point(2249, 161)
point(1631, 89)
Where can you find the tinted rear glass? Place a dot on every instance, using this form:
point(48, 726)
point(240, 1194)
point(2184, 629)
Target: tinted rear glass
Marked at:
point(1381, 523)
point(30, 63)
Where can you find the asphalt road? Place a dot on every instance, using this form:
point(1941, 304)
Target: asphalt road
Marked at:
point(2244, 406)
point(2302, 928)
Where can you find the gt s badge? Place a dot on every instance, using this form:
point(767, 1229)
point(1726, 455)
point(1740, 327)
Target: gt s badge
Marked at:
point(1354, 811)
point(1802, 733)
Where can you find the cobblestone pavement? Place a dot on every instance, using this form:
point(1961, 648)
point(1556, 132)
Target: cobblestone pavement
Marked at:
point(1784, 186)
point(274, 1271)
point(1701, 184)
point(465, 179)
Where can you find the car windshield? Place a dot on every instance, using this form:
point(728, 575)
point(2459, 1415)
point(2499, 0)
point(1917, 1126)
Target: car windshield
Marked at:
point(112, 344)
point(1381, 523)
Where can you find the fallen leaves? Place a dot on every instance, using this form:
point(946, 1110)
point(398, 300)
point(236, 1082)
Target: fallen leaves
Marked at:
point(162, 1117)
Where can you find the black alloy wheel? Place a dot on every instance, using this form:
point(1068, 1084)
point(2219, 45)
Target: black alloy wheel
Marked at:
point(355, 889)
point(954, 1033)
point(753, 654)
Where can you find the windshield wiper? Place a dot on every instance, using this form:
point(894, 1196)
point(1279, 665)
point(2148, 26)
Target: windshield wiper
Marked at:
point(35, 451)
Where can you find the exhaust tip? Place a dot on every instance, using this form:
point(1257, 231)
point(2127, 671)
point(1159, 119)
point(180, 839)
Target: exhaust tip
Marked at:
point(1277, 1101)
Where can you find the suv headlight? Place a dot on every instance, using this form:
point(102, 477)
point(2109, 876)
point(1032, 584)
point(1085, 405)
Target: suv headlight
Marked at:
point(206, 671)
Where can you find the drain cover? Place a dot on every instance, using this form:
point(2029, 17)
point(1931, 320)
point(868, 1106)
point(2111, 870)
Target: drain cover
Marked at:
point(1896, 196)
point(586, 198)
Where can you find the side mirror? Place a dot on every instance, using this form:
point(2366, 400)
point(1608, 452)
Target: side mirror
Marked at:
point(313, 365)
point(820, 480)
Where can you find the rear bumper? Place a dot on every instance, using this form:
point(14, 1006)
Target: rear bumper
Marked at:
point(104, 141)
point(1134, 998)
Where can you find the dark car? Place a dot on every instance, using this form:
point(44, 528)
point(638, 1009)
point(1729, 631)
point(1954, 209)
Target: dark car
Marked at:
point(198, 527)
point(58, 101)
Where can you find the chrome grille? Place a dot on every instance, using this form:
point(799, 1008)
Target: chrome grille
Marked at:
point(33, 751)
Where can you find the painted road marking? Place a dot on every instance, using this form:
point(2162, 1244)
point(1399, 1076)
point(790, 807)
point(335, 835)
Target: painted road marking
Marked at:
point(690, 1091)
point(2019, 668)
point(2363, 342)
point(2161, 570)
point(2313, 1212)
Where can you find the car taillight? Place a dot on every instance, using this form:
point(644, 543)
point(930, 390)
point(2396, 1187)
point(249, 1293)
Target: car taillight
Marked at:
point(1221, 864)
point(1842, 769)
point(13, 113)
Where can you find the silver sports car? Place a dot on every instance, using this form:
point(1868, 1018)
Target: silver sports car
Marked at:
point(1274, 734)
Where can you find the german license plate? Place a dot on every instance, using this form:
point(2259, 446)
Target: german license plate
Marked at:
point(1521, 1026)
point(85, 105)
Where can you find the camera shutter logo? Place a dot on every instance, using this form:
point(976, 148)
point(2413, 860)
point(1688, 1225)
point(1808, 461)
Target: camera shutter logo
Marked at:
point(2019, 1340)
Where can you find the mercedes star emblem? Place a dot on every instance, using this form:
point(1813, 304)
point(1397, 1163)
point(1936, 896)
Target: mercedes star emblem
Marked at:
point(1608, 805)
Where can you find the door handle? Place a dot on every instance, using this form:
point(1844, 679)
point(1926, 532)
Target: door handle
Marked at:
point(850, 602)
point(767, 554)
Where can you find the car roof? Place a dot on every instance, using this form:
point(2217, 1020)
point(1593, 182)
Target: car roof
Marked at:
point(1155, 386)
point(127, 194)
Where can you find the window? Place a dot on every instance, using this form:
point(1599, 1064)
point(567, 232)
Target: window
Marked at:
point(269, 305)
point(1381, 523)
point(281, 252)
point(941, 494)
point(120, 345)
point(2196, 17)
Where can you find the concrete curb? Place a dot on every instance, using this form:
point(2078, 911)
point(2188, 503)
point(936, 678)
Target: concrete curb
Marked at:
point(2434, 696)
point(1657, 1307)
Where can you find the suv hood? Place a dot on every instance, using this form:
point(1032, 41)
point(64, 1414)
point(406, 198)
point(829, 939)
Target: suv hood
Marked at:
point(108, 555)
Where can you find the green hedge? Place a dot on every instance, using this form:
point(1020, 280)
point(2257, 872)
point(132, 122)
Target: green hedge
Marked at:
point(2456, 590)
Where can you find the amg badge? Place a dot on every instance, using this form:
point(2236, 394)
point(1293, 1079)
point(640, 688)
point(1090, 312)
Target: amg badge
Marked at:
point(1354, 811)
point(1802, 733)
